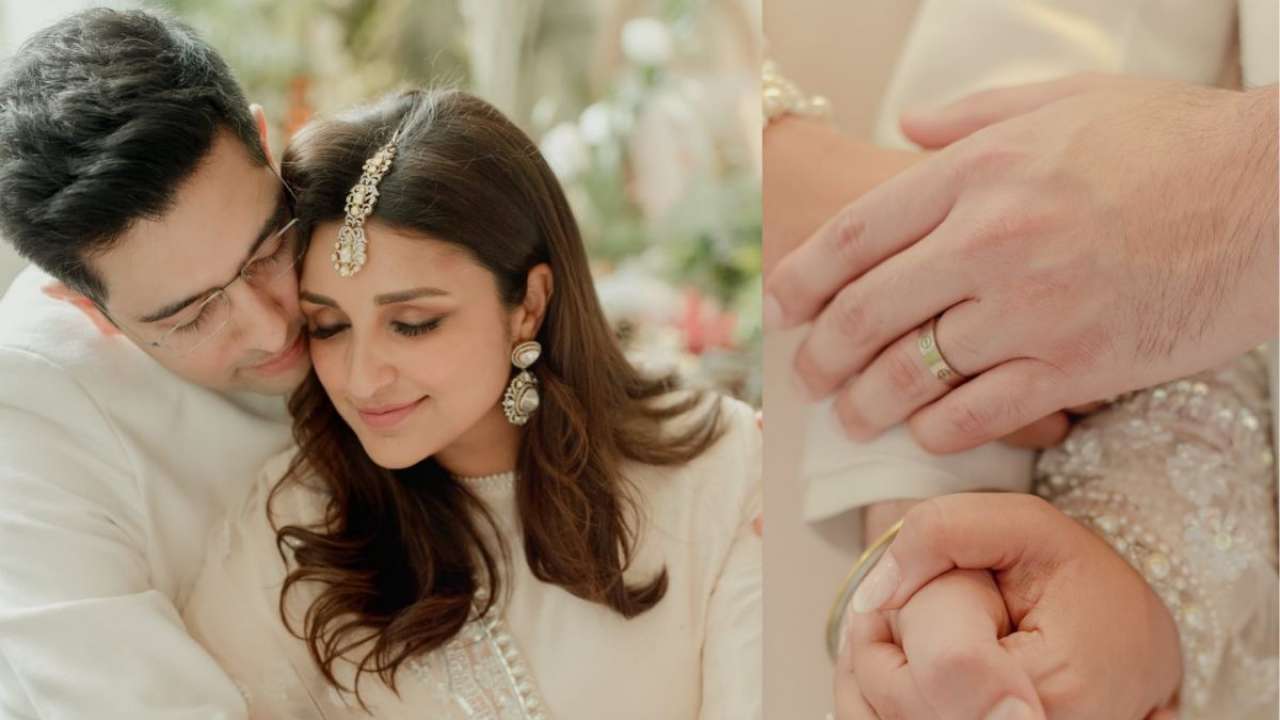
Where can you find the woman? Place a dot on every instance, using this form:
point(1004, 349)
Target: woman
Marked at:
point(450, 541)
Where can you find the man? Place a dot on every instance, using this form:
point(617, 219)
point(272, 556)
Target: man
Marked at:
point(143, 361)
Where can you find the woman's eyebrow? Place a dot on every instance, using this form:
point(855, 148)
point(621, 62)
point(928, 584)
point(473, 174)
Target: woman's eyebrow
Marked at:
point(407, 295)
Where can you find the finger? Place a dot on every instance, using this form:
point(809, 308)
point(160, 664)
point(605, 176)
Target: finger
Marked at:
point(1049, 431)
point(1087, 408)
point(881, 669)
point(957, 120)
point(877, 225)
point(974, 531)
point(899, 381)
point(950, 635)
point(858, 323)
point(849, 701)
point(989, 406)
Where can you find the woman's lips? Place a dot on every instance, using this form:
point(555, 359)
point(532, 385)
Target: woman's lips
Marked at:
point(285, 360)
point(389, 415)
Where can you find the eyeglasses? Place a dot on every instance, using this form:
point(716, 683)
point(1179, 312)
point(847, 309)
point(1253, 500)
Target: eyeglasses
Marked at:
point(196, 325)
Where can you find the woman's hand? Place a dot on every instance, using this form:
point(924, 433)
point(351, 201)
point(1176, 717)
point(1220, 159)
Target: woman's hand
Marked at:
point(1088, 631)
point(1112, 239)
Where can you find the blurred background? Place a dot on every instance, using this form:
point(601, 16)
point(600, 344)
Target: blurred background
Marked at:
point(648, 111)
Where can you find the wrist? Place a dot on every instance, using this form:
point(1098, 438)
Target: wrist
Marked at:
point(878, 517)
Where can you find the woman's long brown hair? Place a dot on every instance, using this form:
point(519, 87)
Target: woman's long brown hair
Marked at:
point(399, 555)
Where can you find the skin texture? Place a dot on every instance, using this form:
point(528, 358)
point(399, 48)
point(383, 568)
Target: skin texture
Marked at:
point(449, 351)
point(1117, 233)
point(200, 244)
point(1087, 631)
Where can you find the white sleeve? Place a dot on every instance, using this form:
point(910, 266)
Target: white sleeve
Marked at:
point(841, 474)
point(956, 47)
point(732, 662)
point(83, 634)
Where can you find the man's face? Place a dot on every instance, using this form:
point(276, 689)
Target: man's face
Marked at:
point(164, 278)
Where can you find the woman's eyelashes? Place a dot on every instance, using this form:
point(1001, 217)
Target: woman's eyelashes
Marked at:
point(317, 331)
point(414, 330)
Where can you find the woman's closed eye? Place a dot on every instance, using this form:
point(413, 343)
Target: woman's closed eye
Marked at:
point(416, 329)
point(321, 332)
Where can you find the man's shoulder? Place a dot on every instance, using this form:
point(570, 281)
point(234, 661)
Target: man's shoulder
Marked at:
point(49, 348)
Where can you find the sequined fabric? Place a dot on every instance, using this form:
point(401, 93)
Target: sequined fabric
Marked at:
point(1180, 479)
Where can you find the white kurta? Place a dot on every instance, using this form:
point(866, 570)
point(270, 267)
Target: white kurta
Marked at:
point(112, 471)
point(695, 655)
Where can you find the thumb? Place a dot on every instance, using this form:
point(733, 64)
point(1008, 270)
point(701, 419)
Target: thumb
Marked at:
point(932, 129)
point(972, 531)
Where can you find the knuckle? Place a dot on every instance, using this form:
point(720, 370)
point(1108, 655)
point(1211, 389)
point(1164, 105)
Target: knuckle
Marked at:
point(904, 373)
point(849, 314)
point(988, 157)
point(847, 235)
point(1003, 227)
point(967, 420)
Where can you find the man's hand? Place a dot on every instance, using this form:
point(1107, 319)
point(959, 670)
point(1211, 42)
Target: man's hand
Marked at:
point(1088, 631)
point(1112, 239)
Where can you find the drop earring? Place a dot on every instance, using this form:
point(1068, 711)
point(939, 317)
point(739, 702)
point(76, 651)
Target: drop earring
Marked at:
point(521, 398)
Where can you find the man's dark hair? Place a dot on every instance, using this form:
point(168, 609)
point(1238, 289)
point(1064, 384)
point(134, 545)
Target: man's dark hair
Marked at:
point(102, 116)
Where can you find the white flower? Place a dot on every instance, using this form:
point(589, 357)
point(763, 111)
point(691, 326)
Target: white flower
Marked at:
point(646, 41)
point(565, 150)
point(595, 123)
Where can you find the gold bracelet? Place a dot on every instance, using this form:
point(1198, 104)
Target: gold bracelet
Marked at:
point(866, 561)
point(783, 97)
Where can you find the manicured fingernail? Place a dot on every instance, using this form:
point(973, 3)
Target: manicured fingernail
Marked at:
point(1011, 708)
point(878, 586)
point(772, 313)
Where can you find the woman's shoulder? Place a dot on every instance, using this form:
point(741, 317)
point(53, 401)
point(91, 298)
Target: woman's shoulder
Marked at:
point(727, 471)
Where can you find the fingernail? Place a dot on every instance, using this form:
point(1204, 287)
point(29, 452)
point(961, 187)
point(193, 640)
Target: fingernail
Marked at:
point(772, 313)
point(878, 585)
point(1011, 708)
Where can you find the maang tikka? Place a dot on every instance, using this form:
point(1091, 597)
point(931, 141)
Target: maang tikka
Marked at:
point(352, 249)
point(521, 398)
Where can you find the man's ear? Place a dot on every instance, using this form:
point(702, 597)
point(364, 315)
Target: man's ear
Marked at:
point(537, 297)
point(58, 291)
point(260, 119)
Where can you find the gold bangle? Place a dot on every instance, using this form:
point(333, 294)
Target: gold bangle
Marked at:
point(783, 97)
point(866, 561)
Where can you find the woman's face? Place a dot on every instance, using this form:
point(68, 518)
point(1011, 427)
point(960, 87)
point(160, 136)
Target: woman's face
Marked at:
point(414, 349)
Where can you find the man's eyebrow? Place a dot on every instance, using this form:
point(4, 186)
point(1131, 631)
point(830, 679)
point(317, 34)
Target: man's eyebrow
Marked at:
point(271, 225)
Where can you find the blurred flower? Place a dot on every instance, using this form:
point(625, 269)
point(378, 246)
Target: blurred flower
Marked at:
point(596, 123)
point(565, 151)
point(670, 148)
point(646, 41)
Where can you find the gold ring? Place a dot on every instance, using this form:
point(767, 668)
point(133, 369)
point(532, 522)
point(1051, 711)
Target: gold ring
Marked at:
point(866, 561)
point(932, 354)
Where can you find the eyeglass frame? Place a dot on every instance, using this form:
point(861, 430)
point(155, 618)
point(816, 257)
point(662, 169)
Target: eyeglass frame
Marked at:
point(221, 292)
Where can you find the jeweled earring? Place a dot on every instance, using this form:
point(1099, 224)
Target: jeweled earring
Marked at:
point(521, 398)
